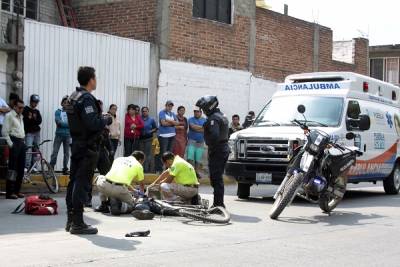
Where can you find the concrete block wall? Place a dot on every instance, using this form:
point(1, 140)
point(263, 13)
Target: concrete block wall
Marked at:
point(343, 51)
point(237, 91)
point(48, 12)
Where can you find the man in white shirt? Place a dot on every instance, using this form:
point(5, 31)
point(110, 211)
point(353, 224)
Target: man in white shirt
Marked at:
point(14, 133)
point(4, 109)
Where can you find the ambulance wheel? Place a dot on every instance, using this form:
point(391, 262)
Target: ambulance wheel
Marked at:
point(243, 191)
point(392, 183)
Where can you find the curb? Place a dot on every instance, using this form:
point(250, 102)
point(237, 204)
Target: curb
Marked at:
point(148, 179)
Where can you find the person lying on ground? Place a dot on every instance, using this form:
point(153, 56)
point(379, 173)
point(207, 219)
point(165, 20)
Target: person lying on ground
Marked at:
point(179, 181)
point(115, 186)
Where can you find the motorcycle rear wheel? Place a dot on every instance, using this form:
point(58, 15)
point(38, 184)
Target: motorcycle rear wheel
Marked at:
point(329, 202)
point(283, 199)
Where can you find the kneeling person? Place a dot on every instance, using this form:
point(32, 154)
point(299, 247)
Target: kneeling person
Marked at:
point(182, 173)
point(116, 183)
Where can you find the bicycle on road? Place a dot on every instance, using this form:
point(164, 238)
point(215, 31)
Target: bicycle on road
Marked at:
point(199, 212)
point(44, 167)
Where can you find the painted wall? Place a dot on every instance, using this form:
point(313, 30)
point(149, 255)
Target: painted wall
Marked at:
point(53, 55)
point(237, 91)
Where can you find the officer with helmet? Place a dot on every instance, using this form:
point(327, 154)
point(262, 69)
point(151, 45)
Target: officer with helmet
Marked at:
point(216, 131)
point(86, 124)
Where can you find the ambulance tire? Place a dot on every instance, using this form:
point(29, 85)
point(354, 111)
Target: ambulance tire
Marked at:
point(392, 183)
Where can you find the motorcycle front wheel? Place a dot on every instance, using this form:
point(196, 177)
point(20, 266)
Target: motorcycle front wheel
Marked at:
point(287, 193)
point(329, 201)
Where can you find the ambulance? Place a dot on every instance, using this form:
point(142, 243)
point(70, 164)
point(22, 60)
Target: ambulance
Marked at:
point(335, 102)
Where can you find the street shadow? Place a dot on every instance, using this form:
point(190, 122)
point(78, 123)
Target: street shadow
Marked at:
point(352, 198)
point(334, 219)
point(244, 218)
point(111, 243)
point(24, 223)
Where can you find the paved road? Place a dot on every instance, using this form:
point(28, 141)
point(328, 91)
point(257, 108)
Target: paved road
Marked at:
point(363, 231)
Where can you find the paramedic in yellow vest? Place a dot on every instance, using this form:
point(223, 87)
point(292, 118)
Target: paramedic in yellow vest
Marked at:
point(117, 182)
point(179, 181)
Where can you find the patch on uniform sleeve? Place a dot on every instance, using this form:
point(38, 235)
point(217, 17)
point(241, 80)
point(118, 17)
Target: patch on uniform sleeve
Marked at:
point(89, 109)
point(212, 123)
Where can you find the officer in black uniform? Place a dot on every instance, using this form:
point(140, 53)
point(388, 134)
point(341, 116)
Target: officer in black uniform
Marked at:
point(86, 125)
point(216, 130)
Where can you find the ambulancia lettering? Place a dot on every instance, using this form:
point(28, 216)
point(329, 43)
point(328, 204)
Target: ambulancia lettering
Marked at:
point(312, 86)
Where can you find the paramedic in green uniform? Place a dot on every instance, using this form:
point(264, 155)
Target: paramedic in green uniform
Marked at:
point(117, 182)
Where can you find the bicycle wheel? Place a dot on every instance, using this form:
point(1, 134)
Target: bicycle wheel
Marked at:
point(49, 177)
point(214, 215)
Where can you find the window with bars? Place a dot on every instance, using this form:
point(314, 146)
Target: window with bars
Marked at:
point(385, 69)
point(27, 8)
point(376, 68)
point(218, 10)
point(392, 70)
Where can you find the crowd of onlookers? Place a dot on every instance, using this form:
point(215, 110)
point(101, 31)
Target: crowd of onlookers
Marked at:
point(20, 125)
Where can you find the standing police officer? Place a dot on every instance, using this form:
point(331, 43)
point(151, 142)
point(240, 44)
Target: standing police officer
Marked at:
point(216, 131)
point(86, 125)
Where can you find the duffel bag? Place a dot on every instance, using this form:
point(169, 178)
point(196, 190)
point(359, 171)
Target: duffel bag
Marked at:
point(38, 205)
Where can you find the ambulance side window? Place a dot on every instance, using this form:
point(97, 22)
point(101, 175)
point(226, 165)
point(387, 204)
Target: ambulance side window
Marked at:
point(353, 113)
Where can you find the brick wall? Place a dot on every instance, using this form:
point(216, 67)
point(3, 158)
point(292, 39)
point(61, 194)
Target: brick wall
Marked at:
point(132, 19)
point(207, 42)
point(284, 45)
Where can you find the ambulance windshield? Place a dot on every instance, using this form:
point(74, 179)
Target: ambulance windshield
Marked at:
point(320, 111)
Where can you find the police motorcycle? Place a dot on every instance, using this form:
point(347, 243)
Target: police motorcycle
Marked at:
point(317, 171)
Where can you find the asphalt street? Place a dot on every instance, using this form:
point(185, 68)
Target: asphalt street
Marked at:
point(362, 231)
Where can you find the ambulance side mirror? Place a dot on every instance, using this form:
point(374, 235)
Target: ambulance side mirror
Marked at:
point(364, 122)
point(350, 136)
point(301, 109)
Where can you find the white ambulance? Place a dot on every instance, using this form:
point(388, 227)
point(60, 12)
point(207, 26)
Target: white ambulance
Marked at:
point(334, 101)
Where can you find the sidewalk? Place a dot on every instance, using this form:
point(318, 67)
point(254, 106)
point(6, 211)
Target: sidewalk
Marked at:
point(64, 179)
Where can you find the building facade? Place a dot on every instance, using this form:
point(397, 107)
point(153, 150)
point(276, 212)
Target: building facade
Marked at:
point(230, 34)
point(12, 16)
point(384, 63)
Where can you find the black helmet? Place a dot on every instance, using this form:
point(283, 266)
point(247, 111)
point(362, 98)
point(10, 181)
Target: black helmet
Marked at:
point(35, 98)
point(208, 104)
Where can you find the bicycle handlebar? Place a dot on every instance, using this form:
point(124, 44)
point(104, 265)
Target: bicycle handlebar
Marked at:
point(43, 142)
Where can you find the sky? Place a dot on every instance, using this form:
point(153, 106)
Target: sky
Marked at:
point(376, 20)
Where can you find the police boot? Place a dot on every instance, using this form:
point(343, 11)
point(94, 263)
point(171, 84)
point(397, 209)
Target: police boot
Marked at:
point(103, 207)
point(69, 221)
point(78, 227)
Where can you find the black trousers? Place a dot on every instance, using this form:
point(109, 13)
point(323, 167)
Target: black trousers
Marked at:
point(83, 163)
point(16, 166)
point(103, 166)
point(130, 145)
point(166, 144)
point(217, 158)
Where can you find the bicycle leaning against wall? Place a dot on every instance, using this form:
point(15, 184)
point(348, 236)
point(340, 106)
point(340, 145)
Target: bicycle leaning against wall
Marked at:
point(44, 167)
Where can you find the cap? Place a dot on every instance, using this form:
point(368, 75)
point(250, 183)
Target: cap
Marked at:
point(169, 102)
point(196, 108)
point(35, 98)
